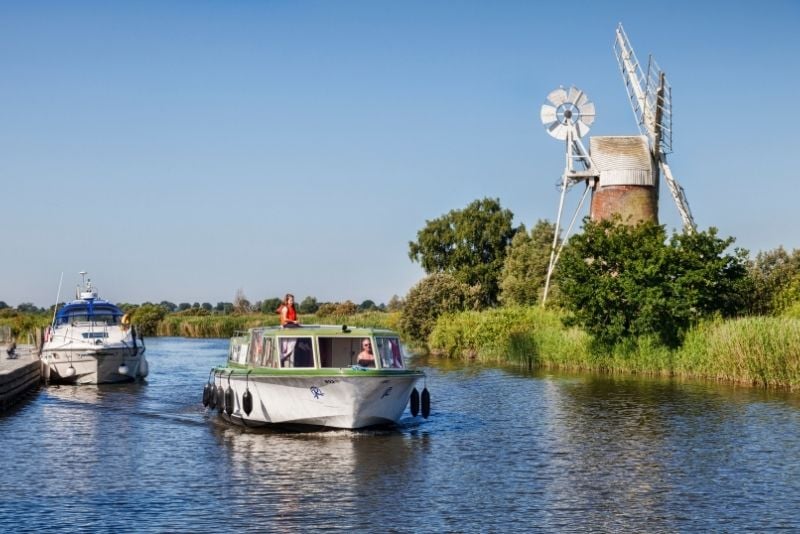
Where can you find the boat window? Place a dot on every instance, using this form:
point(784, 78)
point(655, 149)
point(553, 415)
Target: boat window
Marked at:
point(336, 352)
point(94, 335)
point(238, 349)
point(296, 352)
point(261, 350)
point(390, 352)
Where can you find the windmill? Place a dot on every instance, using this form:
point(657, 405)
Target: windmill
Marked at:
point(567, 116)
point(651, 99)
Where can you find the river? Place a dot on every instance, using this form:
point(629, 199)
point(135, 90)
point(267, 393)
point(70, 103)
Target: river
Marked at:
point(503, 450)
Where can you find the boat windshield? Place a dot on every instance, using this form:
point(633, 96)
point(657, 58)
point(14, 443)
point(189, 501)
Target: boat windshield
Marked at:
point(390, 351)
point(89, 312)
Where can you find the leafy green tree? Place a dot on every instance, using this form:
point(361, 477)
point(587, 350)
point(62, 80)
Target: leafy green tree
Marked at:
point(184, 306)
point(367, 305)
point(28, 307)
point(3, 305)
point(774, 273)
point(432, 296)
point(169, 306)
point(525, 267)
point(470, 244)
point(270, 305)
point(622, 281)
point(308, 305)
point(224, 307)
point(146, 318)
point(207, 306)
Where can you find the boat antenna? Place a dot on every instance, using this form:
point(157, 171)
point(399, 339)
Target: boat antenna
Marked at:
point(58, 296)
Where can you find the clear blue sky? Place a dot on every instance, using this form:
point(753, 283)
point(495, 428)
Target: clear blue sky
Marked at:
point(181, 150)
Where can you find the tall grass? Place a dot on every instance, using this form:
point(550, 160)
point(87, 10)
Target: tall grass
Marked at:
point(528, 335)
point(763, 351)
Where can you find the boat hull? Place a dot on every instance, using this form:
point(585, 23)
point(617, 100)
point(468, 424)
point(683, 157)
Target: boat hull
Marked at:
point(344, 399)
point(93, 367)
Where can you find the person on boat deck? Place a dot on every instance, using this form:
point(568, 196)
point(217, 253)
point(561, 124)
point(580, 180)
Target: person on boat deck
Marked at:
point(288, 312)
point(366, 358)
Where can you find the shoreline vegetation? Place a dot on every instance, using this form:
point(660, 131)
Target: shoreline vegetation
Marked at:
point(761, 351)
point(625, 297)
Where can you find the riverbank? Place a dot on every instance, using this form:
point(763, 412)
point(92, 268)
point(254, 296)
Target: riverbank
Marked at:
point(756, 351)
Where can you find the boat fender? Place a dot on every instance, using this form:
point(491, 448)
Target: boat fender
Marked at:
point(143, 370)
point(414, 402)
point(426, 403)
point(70, 372)
point(207, 391)
point(247, 402)
point(229, 401)
point(212, 397)
point(220, 399)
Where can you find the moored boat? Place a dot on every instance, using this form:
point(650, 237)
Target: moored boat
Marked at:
point(91, 341)
point(318, 375)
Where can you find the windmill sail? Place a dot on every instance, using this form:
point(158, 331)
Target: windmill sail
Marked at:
point(651, 100)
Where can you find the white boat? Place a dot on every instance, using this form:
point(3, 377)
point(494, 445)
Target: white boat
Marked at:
point(311, 376)
point(91, 341)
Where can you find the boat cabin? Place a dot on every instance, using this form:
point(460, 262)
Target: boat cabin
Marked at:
point(314, 347)
point(92, 312)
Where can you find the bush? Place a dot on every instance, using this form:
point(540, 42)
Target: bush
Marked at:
point(431, 297)
point(622, 281)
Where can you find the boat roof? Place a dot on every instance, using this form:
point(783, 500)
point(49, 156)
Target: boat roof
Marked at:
point(90, 307)
point(325, 330)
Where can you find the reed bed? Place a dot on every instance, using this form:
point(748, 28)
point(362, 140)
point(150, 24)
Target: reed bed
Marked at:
point(761, 351)
point(527, 335)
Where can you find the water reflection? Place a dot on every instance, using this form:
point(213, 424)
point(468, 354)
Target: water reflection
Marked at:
point(503, 450)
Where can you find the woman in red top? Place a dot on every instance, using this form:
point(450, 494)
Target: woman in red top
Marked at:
point(288, 313)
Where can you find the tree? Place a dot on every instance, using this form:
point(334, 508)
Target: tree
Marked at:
point(240, 302)
point(270, 305)
point(470, 244)
point(146, 318)
point(367, 305)
point(432, 296)
point(224, 307)
point(773, 274)
point(28, 307)
point(395, 304)
point(345, 308)
point(169, 306)
point(207, 306)
point(623, 281)
point(184, 306)
point(3, 305)
point(308, 305)
point(525, 267)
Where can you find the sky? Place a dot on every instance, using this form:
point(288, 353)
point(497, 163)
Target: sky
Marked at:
point(183, 150)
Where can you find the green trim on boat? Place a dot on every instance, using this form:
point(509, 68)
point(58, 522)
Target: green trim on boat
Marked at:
point(243, 370)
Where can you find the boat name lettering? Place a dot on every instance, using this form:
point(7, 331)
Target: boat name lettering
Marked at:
point(317, 392)
point(330, 381)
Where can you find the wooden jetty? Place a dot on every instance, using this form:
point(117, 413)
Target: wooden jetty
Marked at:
point(18, 375)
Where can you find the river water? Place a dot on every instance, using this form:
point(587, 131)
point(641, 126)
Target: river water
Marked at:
point(503, 450)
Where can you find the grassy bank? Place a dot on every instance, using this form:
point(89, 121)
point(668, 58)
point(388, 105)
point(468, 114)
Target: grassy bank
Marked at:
point(763, 351)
